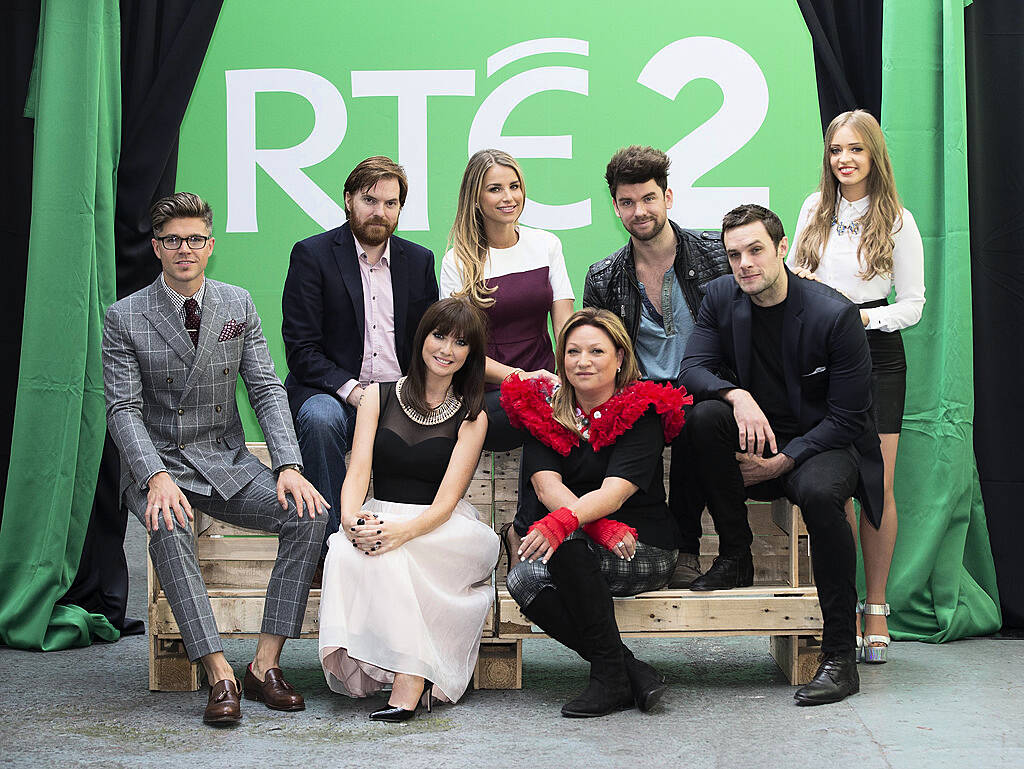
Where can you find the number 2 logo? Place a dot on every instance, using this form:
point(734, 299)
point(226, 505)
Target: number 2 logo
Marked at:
point(743, 110)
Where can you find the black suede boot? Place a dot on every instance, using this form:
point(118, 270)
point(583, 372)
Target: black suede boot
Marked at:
point(585, 594)
point(646, 683)
point(549, 613)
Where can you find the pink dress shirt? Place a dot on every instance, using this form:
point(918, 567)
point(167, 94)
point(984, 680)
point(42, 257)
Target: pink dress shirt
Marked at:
point(380, 358)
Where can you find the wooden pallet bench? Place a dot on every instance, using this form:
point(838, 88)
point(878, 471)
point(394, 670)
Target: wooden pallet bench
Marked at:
point(783, 604)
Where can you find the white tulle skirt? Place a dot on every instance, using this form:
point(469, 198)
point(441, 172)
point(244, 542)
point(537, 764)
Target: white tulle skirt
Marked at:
point(419, 609)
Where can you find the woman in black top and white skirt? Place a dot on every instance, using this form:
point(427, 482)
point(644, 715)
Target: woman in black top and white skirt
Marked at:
point(855, 235)
point(594, 458)
point(406, 584)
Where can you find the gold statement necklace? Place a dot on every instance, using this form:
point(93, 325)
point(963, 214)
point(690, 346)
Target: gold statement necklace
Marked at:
point(449, 406)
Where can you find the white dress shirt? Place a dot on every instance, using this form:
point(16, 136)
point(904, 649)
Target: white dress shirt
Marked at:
point(840, 268)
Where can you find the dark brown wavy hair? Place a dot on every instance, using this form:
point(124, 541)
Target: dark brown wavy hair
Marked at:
point(371, 171)
point(635, 165)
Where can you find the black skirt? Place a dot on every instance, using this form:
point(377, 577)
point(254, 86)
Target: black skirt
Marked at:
point(888, 376)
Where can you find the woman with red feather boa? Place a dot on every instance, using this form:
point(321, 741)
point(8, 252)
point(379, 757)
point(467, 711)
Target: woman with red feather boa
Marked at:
point(594, 459)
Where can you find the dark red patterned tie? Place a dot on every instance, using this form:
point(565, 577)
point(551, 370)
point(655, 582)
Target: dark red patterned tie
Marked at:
point(192, 320)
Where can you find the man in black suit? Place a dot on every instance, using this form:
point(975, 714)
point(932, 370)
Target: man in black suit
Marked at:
point(796, 423)
point(352, 300)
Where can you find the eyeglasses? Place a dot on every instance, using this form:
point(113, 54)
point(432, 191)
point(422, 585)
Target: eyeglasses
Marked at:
point(173, 242)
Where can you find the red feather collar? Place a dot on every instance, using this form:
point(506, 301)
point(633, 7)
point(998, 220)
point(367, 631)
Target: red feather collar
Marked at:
point(528, 405)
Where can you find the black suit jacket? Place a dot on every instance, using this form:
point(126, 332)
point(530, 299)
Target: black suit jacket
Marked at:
point(827, 367)
point(323, 310)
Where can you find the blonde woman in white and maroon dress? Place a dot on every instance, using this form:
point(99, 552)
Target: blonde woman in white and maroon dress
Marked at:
point(517, 276)
point(855, 235)
point(406, 584)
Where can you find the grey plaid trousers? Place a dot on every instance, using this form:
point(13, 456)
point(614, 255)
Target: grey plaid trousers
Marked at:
point(255, 506)
point(650, 569)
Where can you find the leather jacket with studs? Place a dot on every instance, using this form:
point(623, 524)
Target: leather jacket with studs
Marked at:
point(611, 283)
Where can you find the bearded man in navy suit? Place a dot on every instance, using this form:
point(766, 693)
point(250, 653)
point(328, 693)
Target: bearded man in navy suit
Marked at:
point(352, 300)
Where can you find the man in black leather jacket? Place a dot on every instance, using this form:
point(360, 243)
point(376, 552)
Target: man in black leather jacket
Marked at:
point(655, 283)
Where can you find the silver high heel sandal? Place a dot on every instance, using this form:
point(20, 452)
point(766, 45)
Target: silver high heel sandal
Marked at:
point(860, 638)
point(876, 655)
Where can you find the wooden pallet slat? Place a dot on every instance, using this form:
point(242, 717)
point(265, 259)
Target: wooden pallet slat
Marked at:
point(756, 614)
point(236, 565)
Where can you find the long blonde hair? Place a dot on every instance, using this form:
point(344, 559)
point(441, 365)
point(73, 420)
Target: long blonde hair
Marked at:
point(563, 402)
point(468, 238)
point(884, 216)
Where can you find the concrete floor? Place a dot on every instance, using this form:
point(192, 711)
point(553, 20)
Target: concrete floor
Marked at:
point(957, 705)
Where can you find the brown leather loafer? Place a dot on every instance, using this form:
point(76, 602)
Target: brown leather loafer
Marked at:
point(273, 691)
point(224, 705)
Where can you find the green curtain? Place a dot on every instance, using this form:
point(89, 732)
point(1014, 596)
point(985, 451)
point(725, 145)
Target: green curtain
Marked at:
point(59, 424)
point(943, 584)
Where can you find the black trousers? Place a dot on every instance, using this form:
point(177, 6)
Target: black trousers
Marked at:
point(820, 486)
point(686, 499)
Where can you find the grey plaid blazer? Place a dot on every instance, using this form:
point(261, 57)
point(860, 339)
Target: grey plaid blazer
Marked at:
point(172, 407)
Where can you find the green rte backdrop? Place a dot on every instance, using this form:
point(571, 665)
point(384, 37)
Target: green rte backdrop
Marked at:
point(288, 102)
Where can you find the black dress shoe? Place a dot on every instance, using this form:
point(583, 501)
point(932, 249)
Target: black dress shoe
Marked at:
point(835, 680)
point(397, 715)
point(728, 571)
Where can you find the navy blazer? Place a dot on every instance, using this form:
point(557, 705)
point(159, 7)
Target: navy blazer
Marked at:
point(323, 310)
point(826, 362)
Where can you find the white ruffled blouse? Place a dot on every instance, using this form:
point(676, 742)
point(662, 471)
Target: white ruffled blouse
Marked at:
point(840, 268)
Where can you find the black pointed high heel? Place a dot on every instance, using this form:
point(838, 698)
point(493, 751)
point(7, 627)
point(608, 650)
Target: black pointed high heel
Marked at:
point(398, 715)
point(503, 535)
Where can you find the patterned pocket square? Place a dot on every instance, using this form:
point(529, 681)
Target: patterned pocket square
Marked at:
point(232, 329)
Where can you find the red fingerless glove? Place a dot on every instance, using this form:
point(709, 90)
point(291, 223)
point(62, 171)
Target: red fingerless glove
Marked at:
point(607, 532)
point(556, 526)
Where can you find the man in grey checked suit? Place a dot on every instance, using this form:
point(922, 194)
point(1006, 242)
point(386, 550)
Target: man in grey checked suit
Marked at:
point(172, 354)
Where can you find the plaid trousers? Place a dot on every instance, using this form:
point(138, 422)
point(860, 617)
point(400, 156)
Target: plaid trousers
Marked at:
point(255, 506)
point(650, 569)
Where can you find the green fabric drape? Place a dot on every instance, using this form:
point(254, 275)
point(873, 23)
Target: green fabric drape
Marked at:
point(942, 584)
point(59, 424)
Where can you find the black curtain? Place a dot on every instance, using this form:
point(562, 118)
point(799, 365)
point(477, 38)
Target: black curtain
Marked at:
point(995, 107)
point(847, 38)
point(16, 138)
point(163, 44)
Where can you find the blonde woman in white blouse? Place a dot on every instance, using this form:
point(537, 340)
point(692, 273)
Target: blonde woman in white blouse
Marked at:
point(854, 235)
